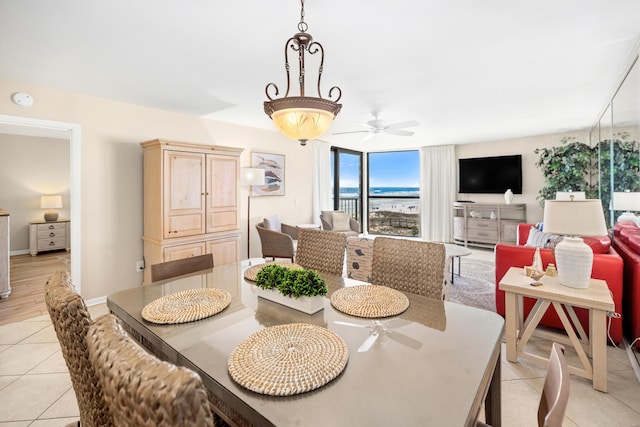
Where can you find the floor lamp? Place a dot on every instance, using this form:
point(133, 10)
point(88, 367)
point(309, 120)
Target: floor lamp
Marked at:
point(249, 177)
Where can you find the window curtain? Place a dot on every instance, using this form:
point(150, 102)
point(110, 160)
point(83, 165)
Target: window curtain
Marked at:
point(438, 184)
point(321, 179)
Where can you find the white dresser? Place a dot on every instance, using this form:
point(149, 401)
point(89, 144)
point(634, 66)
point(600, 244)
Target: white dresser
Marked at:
point(5, 283)
point(49, 236)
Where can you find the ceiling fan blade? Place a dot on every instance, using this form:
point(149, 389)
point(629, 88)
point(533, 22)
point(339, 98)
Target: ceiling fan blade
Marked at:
point(404, 339)
point(338, 322)
point(370, 136)
point(401, 125)
point(352, 131)
point(399, 132)
point(371, 339)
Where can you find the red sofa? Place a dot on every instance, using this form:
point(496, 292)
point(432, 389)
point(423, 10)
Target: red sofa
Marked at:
point(607, 266)
point(626, 241)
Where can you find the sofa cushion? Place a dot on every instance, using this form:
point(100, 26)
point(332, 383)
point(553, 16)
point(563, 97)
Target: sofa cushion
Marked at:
point(625, 233)
point(619, 226)
point(273, 223)
point(634, 244)
point(598, 244)
point(341, 222)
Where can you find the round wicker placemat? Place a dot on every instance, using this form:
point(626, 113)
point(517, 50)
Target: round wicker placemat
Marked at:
point(369, 301)
point(251, 272)
point(186, 306)
point(288, 359)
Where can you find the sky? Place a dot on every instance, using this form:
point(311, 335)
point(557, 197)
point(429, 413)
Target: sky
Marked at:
point(388, 169)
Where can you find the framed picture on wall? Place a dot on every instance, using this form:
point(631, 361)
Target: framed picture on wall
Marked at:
point(273, 165)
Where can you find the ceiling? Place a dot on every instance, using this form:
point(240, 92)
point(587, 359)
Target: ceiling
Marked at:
point(466, 70)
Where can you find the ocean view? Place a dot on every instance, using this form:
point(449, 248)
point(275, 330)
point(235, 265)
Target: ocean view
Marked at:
point(352, 192)
point(392, 210)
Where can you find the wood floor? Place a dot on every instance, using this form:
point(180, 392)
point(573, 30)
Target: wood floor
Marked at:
point(28, 277)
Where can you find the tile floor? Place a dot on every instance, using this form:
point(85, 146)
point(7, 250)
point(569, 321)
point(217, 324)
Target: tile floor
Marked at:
point(35, 388)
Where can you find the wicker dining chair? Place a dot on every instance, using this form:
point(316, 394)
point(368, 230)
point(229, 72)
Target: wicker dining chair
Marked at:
point(178, 267)
point(321, 250)
point(140, 389)
point(71, 321)
point(409, 265)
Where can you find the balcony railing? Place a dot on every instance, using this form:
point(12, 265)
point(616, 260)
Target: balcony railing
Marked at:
point(388, 215)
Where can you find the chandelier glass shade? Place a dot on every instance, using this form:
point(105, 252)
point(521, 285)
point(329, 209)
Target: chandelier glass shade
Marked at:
point(302, 117)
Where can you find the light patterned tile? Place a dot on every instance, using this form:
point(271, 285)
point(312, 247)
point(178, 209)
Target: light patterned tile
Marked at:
point(65, 407)
point(5, 380)
point(13, 333)
point(21, 358)
point(98, 310)
point(53, 364)
point(45, 335)
point(53, 422)
point(21, 401)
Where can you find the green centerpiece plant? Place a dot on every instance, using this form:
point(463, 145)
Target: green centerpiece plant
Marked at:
point(291, 282)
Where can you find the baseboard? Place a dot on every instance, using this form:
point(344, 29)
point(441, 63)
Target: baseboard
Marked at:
point(96, 301)
point(19, 252)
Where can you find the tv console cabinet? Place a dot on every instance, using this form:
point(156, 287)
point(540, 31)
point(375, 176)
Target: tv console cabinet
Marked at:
point(485, 225)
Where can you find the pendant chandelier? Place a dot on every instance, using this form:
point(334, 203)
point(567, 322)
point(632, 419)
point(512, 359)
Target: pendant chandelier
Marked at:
point(302, 117)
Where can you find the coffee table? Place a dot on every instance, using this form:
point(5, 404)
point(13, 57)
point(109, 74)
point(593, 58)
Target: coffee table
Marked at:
point(454, 251)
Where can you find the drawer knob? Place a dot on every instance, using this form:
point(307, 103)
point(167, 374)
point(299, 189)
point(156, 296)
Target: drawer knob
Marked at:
point(51, 227)
point(52, 243)
point(52, 234)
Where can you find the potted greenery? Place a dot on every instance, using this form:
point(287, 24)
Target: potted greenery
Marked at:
point(299, 289)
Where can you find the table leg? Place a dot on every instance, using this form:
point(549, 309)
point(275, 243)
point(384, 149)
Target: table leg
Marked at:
point(511, 321)
point(598, 320)
point(452, 267)
point(493, 401)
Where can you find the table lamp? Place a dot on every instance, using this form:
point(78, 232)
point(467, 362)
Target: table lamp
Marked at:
point(571, 195)
point(573, 218)
point(249, 177)
point(627, 201)
point(50, 203)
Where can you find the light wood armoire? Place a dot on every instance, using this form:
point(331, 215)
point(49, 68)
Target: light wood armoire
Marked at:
point(191, 202)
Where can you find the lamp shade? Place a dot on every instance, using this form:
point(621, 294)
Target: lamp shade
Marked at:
point(574, 218)
point(50, 202)
point(574, 259)
point(626, 201)
point(252, 176)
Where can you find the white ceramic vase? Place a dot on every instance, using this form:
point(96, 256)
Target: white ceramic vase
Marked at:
point(508, 196)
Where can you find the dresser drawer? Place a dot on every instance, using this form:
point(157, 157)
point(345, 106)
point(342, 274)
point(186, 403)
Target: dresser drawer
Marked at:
point(50, 234)
point(51, 244)
point(482, 235)
point(483, 224)
point(58, 226)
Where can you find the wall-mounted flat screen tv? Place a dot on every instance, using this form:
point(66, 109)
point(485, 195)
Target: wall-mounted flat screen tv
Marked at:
point(490, 175)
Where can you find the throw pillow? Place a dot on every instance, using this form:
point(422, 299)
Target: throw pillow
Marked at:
point(328, 217)
point(341, 222)
point(273, 223)
point(538, 239)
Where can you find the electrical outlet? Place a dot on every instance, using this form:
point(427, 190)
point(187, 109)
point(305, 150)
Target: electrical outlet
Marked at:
point(139, 266)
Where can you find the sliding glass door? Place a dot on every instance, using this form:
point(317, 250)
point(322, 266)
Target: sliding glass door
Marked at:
point(346, 178)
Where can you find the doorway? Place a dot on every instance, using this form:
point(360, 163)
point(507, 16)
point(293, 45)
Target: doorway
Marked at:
point(71, 131)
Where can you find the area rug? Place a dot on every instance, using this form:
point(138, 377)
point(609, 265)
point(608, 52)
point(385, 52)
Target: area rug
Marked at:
point(476, 284)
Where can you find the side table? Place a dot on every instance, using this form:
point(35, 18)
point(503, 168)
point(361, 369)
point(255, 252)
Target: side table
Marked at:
point(596, 298)
point(454, 251)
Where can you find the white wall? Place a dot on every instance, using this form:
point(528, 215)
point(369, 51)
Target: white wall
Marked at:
point(532, 178)
point(30, 167)
point(111, 171)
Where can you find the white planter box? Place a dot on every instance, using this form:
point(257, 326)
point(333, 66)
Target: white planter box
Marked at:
point(307, 305)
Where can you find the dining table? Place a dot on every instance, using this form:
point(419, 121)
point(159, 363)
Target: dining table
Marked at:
point(437, 363)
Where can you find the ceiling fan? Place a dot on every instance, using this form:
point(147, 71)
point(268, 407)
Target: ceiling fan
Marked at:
point(378, 126)
point(383, 329)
